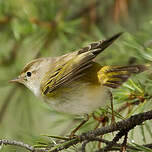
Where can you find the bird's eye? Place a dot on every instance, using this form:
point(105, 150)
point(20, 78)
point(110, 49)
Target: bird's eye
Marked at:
point(28, 74)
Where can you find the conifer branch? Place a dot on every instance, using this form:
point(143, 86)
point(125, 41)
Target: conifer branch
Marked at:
point(123, 127)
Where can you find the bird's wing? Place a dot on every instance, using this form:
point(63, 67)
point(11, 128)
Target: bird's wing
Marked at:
point(70, 67)
point(98, 47)
point(68, 72)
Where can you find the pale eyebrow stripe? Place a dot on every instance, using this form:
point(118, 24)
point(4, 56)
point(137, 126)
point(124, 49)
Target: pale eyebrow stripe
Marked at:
point(27, 67)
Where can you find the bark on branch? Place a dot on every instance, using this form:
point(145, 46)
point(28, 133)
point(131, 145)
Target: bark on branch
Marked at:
point(121, 126)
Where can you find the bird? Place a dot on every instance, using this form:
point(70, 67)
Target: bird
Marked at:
point(75, 83)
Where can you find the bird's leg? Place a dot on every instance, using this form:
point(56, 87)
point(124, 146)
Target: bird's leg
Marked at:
point(103, 119)
point(112, 109)
point(79, 126)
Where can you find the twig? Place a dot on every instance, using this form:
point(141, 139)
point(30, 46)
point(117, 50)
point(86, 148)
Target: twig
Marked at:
point(140, 99)
point(84, 145)
point(94, 139)
point(126, 125)
point(124, 144)
point(113, 142)
point(32, 149)
point(21, 144)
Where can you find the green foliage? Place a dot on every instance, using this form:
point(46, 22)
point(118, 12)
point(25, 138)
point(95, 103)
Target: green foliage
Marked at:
point(35, 28)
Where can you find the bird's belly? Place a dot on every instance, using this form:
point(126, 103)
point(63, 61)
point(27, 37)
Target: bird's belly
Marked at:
point(79, 99)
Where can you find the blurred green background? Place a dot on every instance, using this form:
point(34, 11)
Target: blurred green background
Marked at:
point(41, 28)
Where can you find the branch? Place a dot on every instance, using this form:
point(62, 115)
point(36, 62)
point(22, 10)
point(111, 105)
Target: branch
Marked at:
point(21, 144)
point(114, 141)
point(126, 125)
point(123, 127)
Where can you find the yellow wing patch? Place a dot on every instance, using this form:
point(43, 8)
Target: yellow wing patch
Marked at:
point(114, 76)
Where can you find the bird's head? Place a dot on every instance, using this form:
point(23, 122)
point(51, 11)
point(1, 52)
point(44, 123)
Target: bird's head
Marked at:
point(33, 73)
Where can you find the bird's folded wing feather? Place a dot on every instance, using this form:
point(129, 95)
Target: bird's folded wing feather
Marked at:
point(67, 72)
point(71, 66)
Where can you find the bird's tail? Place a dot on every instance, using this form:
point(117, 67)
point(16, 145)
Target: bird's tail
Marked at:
point(114, 76)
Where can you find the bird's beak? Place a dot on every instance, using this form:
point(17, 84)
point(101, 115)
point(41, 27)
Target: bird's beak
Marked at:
point(15, 80)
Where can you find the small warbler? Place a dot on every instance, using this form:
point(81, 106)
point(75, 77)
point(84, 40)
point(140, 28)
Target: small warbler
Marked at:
point(74, 83)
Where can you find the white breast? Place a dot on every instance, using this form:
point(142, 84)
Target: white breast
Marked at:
point(84, 101)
